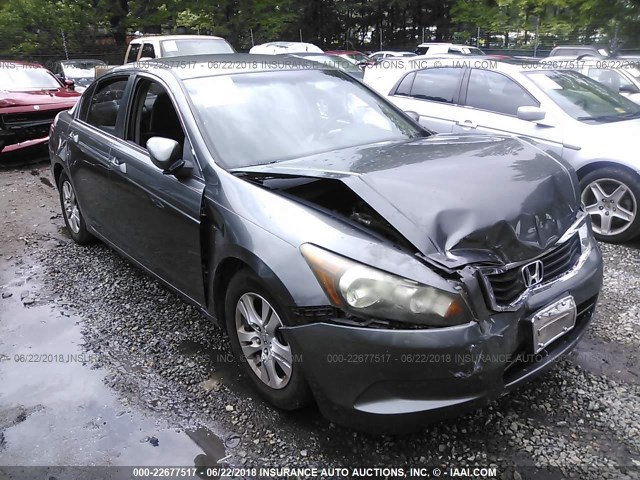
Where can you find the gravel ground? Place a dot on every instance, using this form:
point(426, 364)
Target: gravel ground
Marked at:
point(580, 420)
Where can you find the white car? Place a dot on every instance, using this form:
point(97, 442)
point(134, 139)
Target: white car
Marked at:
point(433, 48)
point(620, 75)
point(277, 48)
point(161, 46)
point(390, 54)
point(563, 112)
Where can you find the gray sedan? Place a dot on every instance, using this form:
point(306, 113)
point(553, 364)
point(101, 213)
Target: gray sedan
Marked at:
point(354, 258)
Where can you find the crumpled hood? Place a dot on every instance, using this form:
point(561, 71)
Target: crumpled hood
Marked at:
point(56, 98)
point(457, 199)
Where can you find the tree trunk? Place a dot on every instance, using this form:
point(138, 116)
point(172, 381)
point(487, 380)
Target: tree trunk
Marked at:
point(118, 21)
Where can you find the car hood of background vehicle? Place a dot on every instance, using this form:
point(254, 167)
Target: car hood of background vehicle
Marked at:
point(45, 97)
point(457, 199)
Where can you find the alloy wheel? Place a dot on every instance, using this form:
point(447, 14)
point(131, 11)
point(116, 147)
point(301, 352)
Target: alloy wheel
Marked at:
point(611, 204)
point(70, 203)
point(264, 349)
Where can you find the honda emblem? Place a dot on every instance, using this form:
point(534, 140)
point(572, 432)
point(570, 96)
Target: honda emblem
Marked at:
point(532, 273)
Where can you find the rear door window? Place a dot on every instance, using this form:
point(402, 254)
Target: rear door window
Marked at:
point(105, 104)
point(405, 85)
point(437, 84)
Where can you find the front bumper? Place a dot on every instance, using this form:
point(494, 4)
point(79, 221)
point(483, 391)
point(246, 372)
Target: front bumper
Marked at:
point(383, 380)
point(20, 129)
point(12, 147)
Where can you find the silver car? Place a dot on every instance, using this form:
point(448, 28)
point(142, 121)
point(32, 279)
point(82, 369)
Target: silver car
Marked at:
point(564, 112)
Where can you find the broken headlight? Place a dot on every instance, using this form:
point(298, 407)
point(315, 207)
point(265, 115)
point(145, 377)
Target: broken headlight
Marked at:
point(367, 291)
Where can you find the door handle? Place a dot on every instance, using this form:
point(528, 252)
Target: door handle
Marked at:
point(73, 137)
point(468, 124)
point(119, 164)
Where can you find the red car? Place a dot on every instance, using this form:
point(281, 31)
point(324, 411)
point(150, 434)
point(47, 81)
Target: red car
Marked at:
point(30, 98)
point(352, 55)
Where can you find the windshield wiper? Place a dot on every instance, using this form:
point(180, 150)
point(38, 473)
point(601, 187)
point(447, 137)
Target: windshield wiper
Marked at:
point(613, 118)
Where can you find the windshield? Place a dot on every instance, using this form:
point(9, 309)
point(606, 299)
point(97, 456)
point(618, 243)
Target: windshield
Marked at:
point(80, 70)
point(192, 46)
point(265, 117)
point(23, 78)
point(583, 98)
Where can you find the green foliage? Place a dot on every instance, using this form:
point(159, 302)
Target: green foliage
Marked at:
point(36, 26)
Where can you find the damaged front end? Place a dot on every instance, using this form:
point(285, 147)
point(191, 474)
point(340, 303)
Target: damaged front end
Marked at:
point(500, 225)
point(25, 127)
point(491, 207)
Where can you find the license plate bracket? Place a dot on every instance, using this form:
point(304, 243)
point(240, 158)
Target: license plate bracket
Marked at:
point(552, 322)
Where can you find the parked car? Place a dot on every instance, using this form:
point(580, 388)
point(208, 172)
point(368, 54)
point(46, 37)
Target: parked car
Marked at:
point(376, 56)
point(576, 51)
point(339, 243)
point(621, 76)
point(162, 46)
point(81, 72)
point(566, 113)
point(277, 48)
point(30, 98)
point(447, 48)
point(347, 66)
point(357, 58)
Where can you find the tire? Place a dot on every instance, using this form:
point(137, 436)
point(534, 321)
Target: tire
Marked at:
point(265, 366)
point(73, 218)
point(612, 198)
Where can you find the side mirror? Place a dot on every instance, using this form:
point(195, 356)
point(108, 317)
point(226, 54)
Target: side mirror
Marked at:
point(531, 114)
point(70, 84)
point(166, 154)
point(629, 88)
point(145, 59)
point(414, 115)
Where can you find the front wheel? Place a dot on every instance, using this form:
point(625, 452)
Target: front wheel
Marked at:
point(611, 196)
point(71, 212)
point(254, 323)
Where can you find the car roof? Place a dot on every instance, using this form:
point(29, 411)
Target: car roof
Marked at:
point(420, 62)
point(343, 51)
point(222, 64)
point(75, 61)
point(174, 37)
point(586, 47)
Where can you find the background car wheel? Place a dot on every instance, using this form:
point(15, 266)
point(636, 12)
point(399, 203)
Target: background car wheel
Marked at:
point(612, 196)
point(71, 212)
point(253, 321)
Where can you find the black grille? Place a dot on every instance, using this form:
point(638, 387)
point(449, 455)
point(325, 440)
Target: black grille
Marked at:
point(305, 315)
point(508, 286)
point(27, 118)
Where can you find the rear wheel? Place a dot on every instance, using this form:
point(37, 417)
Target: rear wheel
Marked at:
point(71, 211)
point(612, 196)
point(254, 321)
